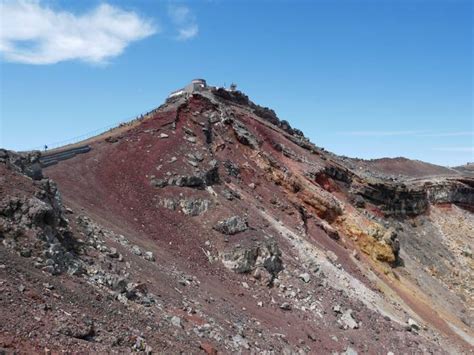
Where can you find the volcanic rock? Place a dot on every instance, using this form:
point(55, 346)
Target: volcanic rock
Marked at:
point(347, 320)
point(244, 136)
point(263, 258)
point(232, 225)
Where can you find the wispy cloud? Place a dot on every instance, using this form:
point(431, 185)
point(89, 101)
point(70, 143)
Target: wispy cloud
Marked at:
point(185, 21)
point(448, 134)
point(378, 133)
point(32, 33)
point(406, 133)
point(456, 149)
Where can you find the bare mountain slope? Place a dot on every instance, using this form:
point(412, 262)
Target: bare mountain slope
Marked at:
point(401, 168)
point(210, 225)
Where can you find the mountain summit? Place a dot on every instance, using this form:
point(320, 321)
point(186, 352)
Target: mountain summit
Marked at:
point(210, 225)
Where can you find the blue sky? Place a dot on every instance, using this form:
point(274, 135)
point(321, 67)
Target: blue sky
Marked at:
point(361, 78)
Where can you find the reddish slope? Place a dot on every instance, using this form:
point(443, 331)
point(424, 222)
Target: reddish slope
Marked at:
point(286, 196)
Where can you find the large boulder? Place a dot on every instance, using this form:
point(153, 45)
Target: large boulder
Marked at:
point(232, 225)
point(189, 206)
point(240, 259)
point(194, 206)
point(198, 181)
point(187, 181)
point(263, 259)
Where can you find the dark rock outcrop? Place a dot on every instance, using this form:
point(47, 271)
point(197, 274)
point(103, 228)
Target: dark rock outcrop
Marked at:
point(458, 191)
point(198, 181)
point(413, 199)
point(34, 224)
point(232, 225)
point(26, 163)
point(339, 174)
point(244, 136)
point(265, 113)
point(396, 199)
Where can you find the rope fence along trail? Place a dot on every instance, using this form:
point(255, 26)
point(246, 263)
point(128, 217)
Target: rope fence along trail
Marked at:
point(93, 133)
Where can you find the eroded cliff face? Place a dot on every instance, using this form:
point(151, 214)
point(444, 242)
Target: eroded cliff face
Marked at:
point(414, 198)
point(212, 225)
point(453, 191)
point(398, 200)
point(407, 197)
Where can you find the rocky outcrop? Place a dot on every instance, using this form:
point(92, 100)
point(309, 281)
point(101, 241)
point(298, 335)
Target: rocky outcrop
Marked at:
point(195, 207)
point(374, 240)
point(315, 198)
point(338, 173)
point(265, 113)
point(244, 136)
point(303, 142)
point(197, 181)
point(458, 191)
point(25, 163)
point(396, 199)
point(412, 199)
point(386, 247)
point(232, 225)
point(189, 206)
point(36, 230)
point(234, 96)
point(269, 115)
point(262, 259)
point(34, 225)
point(286, 151)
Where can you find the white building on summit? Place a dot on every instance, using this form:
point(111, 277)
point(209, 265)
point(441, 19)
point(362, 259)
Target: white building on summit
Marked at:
point(196, 85)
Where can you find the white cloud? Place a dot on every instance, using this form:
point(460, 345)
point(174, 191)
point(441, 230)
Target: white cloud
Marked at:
point(184, 20)
point(32, 33)
point(188, 32)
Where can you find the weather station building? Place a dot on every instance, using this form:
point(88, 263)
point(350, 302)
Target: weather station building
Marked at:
point(196, 85)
